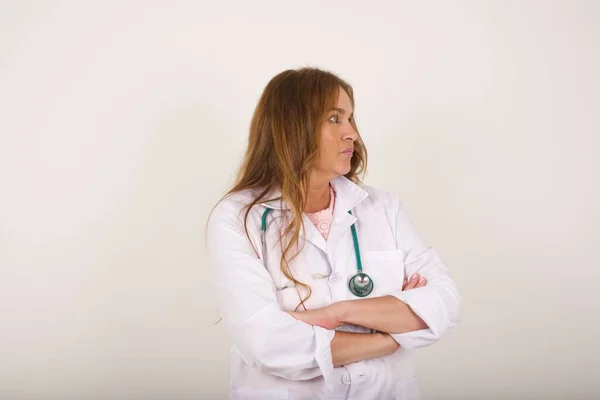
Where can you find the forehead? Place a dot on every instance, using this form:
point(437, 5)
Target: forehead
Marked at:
point(343, 100)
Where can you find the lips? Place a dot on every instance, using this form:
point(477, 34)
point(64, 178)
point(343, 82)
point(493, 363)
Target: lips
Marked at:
point(348, 151)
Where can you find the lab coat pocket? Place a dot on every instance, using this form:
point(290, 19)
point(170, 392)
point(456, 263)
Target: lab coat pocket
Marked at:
point(408, 389)
point(386, 269)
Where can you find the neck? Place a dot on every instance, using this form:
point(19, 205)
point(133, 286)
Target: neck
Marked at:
point(319, 195)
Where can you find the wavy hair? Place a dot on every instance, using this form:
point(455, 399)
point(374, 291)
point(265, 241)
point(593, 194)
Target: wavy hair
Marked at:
point(283, 146)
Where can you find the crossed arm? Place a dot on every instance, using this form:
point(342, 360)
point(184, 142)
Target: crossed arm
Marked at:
point(385, 314)
point(297, 346)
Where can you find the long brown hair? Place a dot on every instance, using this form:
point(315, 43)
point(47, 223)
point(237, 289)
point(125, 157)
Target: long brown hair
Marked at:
point(283, 146)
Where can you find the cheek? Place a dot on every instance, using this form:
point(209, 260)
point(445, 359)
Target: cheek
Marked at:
point(329, 143)
point(329, 148)
point(329, 154)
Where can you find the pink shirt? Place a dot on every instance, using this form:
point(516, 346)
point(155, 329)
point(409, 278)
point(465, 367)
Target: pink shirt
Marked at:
point(322, 219)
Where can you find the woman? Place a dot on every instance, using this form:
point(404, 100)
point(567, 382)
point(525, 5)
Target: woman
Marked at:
point(323, 282)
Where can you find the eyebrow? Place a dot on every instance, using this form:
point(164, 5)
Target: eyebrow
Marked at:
point(340, 110)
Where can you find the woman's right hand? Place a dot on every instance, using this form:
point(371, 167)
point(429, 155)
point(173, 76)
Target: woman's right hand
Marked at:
point(415, 282)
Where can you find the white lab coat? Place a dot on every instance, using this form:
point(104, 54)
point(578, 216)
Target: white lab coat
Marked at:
point(275, 356)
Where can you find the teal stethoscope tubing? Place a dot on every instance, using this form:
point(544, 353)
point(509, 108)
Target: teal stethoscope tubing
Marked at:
point(360, 284)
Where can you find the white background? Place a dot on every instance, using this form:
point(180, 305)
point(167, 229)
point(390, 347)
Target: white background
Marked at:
point(122, 123)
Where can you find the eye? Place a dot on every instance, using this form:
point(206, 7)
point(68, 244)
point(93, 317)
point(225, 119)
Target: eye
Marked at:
point(334, 118)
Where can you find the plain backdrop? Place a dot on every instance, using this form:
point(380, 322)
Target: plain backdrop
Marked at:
point(123, 122)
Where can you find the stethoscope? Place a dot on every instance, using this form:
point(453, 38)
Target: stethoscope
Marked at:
point(360, 284)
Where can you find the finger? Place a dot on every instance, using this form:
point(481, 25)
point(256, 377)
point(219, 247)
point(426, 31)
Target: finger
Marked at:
point(404, 283)
point(422, 282)
point(412, 282)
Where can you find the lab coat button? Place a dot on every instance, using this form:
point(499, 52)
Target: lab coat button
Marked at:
point(346, 379)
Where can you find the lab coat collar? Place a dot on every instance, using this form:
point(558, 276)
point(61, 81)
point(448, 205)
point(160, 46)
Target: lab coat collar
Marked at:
point(348, 195)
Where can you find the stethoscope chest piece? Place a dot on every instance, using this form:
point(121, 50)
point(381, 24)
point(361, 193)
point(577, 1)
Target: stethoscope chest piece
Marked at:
point(360, 285)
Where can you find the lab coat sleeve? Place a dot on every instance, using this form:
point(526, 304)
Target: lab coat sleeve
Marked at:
point(438, 303)
point(266, 337)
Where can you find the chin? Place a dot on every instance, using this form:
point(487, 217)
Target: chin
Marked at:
point(343, 170)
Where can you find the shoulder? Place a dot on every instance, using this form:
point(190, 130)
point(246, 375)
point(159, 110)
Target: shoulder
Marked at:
point(227, 227)
point(381, 198)
point(234, 202)
point(231, 209)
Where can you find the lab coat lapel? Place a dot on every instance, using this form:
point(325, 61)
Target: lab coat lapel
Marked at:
point(347, 195)
point(310, 232)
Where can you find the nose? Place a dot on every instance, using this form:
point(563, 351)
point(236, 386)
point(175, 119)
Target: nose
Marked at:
point(349, 133)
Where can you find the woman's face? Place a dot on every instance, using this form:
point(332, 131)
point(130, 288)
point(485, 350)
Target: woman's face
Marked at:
point(337, 140)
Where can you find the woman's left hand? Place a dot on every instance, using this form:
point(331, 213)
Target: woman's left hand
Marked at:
point(325, 317)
